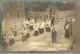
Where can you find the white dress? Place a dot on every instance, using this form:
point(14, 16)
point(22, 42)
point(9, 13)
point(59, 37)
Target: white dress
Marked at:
point(67, 26)
point(42, 25)
point(24, 32)
point(31, 23)
point(24, 23)
point(36, 27)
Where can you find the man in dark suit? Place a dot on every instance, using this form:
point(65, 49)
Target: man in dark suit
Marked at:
point(52, 20)
point(71, 28)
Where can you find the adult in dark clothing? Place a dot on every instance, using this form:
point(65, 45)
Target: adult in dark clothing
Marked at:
point(67, 28)
point(53, 35)
point(31, 25)
point(47, 26)
point(71, 27)
point(52, 21)
point(66, 23)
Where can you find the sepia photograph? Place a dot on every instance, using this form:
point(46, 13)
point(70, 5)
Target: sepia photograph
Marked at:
point(38, 25)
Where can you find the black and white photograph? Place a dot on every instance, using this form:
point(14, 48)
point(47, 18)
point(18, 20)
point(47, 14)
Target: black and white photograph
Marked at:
point(39, 25)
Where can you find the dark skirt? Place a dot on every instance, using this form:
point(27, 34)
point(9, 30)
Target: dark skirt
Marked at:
point(47, 29)
point(67, 34)
point(41, 30)
point(52, 24)
point(15, 33)
point(11, 42)
point(31, 27)
point(26, 24)
point(23, 38)
point(36, 33)
point(27, 35)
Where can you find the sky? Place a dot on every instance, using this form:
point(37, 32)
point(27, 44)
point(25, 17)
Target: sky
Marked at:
point(51, 0)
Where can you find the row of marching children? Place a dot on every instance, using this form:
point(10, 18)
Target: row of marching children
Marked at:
point(38, 26)
point(26, 27)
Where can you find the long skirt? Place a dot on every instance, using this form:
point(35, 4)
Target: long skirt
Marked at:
point(15, 33)
point(41, 30)
point(27, 35)
point(23, 38)
point(47, 29)
point(67, 34)
point(31, 27)
point(52, 24)
point(36, 33)
point(11, 42)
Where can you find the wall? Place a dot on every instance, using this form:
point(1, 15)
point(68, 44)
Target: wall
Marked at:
point(65, 14)
point(77, 29)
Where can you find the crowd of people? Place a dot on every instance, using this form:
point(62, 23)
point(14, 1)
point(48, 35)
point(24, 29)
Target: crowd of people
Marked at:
point(39, 26)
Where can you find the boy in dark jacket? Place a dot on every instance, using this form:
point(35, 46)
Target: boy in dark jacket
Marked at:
point(53, 35)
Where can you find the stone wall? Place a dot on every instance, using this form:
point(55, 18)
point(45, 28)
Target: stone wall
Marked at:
point(66, 14)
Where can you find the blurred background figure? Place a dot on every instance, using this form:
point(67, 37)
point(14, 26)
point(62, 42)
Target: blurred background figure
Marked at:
point(48, 25)
point(31, 24)
point(71, 27)
point(52, 21)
